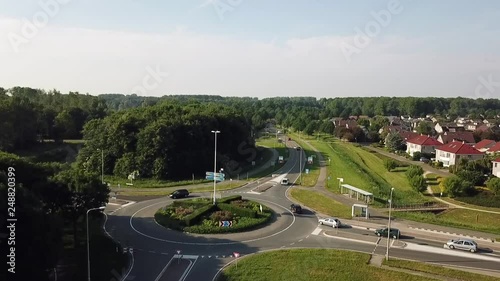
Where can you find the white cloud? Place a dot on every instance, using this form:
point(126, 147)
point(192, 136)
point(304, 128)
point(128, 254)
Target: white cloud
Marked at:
point(104, 61)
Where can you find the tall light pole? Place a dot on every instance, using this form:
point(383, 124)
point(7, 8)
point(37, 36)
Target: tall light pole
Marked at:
point(300, 166)
point(215, 160)
point(88, 244)
point(102, 165)
point(389, 226)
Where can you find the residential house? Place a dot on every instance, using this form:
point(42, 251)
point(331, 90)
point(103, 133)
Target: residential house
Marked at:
point(494, 149)
point(407, 135)
point(483, 128)
point(422, 144)
point(490, 122)
point(447, 137)
point(448, 127)
point(495, 169)
point(472, 126)
point(484, 145)
point(346, 123)
point(451, 153)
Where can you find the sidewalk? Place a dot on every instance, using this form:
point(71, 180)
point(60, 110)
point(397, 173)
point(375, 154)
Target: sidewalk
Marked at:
point(379, 219)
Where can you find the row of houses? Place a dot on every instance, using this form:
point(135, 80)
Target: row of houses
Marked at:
point(449, 152)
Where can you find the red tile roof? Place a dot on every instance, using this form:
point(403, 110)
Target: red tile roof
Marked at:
point(484, 144)
point(457, 147)
point(495, 148)
point(424, 140)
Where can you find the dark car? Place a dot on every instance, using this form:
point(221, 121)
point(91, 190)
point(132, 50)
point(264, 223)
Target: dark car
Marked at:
point(395, 233)
point(296, 209)
point(425, 160)
point(179, 193)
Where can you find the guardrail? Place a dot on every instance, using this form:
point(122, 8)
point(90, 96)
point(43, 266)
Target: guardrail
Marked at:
point(424, 206)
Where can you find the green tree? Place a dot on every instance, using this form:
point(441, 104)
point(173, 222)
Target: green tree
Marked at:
point(394, 142)
point(425, 128)
point(494, 185)
point(418, 183)
point(413, 171)
point(455, 186)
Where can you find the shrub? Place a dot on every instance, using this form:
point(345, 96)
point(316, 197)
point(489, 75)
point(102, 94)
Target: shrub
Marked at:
point(182, 211)
point(414, 170)
point(438, 164)
point(195, 216)
point(241, 203)
point(230, 198)
point(455, 186)
point(416, 156)
point(390, 164)
point(221, 216)
point(235, 210)
point(494, 185)
point(476, 177)
point(482, 200)
point(418, 183)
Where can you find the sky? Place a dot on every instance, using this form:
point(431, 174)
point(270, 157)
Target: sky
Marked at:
point(256, 48)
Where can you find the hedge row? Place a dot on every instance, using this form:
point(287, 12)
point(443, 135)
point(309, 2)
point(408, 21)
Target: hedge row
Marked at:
point(195, 216)
point(238, 211)
point(189, 203)
point(240, 225)
point(230, 198)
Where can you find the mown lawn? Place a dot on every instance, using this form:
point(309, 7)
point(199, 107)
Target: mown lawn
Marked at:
point(310, 264)
point(438, 270)
point(433, 181)
point(309, 179)
point(322, 204)
point(460, 218)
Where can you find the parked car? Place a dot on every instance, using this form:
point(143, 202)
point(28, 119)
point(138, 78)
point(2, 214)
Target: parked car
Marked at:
point(179, 193)
point(284, 181)
point(333, 222)
point(298, 148)
point(296, 209)
point(394, 233)
point(425, 160)
point(462, 244)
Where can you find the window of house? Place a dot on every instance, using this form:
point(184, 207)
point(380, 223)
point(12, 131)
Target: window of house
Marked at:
point(448, 155)
point(496, 165)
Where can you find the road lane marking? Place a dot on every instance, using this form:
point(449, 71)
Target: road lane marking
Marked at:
point(301, 240)
point(164, 269)
point(317, 231)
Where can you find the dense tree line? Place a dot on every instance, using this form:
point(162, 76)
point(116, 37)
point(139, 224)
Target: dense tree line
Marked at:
point(169, 140)
point(28, 116)
point(47, 196)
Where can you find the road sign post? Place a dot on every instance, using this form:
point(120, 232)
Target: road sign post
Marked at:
point(179, 256)
point(236, 255)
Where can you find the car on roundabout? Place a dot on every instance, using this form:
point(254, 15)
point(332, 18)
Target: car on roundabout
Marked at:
point(462, 244)
point(394, 232)
point(296, 209)
point(179, 193)
point(333, 222)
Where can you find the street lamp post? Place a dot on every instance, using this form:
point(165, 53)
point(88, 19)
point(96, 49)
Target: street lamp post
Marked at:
point(389, 226)
point(88, 244)
point(215, 160)
point(300, 166)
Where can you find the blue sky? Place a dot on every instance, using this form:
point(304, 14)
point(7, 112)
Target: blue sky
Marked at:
point(254, 48)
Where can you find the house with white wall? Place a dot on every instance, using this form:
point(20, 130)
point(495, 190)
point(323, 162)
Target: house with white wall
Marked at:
point(451, 153)
point(422, 144)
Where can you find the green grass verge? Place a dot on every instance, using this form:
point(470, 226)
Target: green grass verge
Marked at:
point(460, 218)
point(433, 181)
point(311, 178)
point(164, 191)
point(438, 270)
point(310, 264)
point(321, 203)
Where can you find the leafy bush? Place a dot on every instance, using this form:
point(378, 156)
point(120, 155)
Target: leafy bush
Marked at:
point(230, 198)
point(221, 216)
point(390, 164)
point(238, 211)
point(209, 227)
point(416, 156)
point(194, 217)
point(494, 185)
point(482, 200)
point(438, 164)
point(241, 203)
point(182, 211)
point(418, 183)
point(414, 170)
point(455, 186)
point(476, 177)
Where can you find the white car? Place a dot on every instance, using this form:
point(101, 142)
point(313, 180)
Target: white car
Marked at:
point(333, 222)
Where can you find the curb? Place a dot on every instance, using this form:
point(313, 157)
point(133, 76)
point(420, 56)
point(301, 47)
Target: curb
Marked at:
point(453, 233)
point(349, 239)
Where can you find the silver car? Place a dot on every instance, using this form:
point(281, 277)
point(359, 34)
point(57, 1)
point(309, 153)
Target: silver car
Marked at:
point(333, 222)
point(462, 244)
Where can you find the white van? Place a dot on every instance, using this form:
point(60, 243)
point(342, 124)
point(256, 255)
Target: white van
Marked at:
point(284, 181)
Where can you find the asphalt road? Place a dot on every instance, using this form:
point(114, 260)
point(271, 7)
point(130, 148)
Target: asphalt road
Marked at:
point(162, 254)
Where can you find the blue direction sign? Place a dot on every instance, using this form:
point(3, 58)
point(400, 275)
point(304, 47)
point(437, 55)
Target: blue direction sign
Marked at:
point(209, 174)
point(216, 178)
point(225, 223)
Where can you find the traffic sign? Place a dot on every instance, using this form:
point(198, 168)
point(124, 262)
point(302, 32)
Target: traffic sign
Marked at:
point(221, 175)
point(209, 173)
point(125, 250)
point(216, 178)
point(236, 255)
point(225, 223)
point(178, 251)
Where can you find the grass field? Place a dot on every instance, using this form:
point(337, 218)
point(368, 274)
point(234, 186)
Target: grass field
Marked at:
point(322, 204)
point(310, 264)
point(438, 270)
point(309, 179)
point(164, 191)
point(365, 169)
point(460, 218)
point(433, 180)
